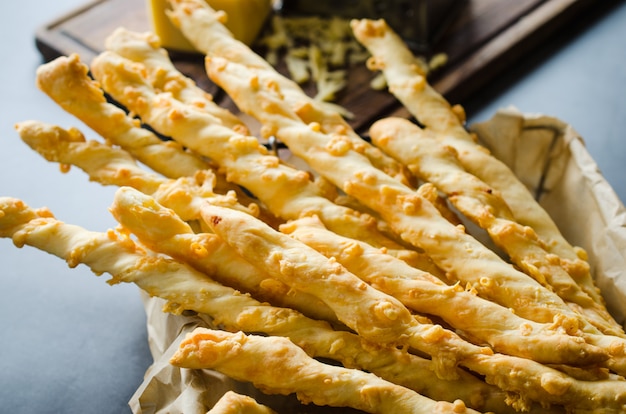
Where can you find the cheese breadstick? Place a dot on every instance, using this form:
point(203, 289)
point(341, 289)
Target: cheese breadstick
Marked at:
point(161, 230)
point(379, 317)
point(431, 161)
point(479, 320)
point(287, 369)
point(405, 77)
point(145, 49)
point(204, 28)
point(65, 81)
point(392, 56)
point(412, 217)
point(233, 403)
point(187, 289)
point(301, 267)
point(103, 163)
point(114, 166)
point(287, 192)
point(108, 165)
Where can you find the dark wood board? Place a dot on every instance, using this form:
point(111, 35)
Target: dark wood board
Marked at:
point(486, 38)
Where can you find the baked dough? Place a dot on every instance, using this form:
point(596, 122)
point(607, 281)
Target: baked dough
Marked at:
point(391, 55)
point(187, 289)
point(65, 80)
point(434, 162)
point(109, 165)
point(287, 192)
point(412, 217)
point(479, 320)
point(405, 77)
point(233, 403)
point(163, 231)
point(145, 49)
point(374, 315)
point(103, 163)
point(204, 28)
point(237, 355)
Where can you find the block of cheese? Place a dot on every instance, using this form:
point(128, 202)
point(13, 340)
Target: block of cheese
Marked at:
point(245, 20)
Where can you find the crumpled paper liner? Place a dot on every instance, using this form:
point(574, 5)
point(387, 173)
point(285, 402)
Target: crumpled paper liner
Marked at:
point(550, 158)
point(546, 154)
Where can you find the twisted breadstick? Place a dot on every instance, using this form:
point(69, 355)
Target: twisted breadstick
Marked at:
point(481, 320)
point(203, 27)
point(535, 382)
point(379, 318)
point(392, 56)
point(233, 403)
point(405, 77)
point(303, 268)
point(66, 82)
point(412, 217)
point(187, 289)
point(287, 192)
point(433, 162)
point(145, 49)
point(103, 163)
point(114, 166)
point(161, 230)
point(216, 68)
point(237, 356)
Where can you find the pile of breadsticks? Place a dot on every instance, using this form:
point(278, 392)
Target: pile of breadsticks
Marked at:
point(352, 283)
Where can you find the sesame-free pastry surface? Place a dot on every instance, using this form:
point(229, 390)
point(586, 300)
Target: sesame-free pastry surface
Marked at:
point(290, 265)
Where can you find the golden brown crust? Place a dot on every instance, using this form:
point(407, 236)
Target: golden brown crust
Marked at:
point(479, 320)
point(412, 217)
point(203, 27)
point(163, 231)
point(287, 192)
point(109, 165)
point(394, 58)
point(237, 356)
point(293, 263)
point(233, 403)
point(433, 162)
point(104, 164)
point(65, 81)
point(405, 78)
point(145, 49)
point(372, 314)
point(187, 289)
point(231, 354)
point(384, 210)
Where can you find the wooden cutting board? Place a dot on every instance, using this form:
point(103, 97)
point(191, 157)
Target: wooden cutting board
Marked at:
point(486, 38)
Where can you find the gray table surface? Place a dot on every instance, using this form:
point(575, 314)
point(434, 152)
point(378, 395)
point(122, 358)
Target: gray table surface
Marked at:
point(69, 343)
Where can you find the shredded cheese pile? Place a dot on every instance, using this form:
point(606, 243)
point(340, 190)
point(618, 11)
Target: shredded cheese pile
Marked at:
point(315, 49)
point(320, 50)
